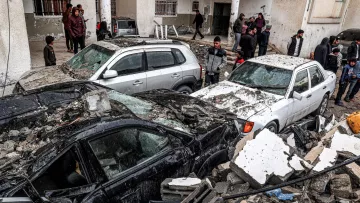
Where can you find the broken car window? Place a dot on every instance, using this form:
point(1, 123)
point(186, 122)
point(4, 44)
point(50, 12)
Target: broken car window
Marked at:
point(316, 76)
point(129, 64)
point(90, 58)
point(65, 172)
point(268, 78)
point(301, 82)
point(127, 148)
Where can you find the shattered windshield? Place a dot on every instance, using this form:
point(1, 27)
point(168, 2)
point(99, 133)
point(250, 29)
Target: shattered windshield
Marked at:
point(147, 110)
point(90, 58)
point(268, 78)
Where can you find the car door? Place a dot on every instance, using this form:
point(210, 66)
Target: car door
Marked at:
point(300, 108)
point(136, 159)
point(318, 88)
point(163, 70)
point(131, 73)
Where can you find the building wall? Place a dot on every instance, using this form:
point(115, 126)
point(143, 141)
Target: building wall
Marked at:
point(353, 10)
point(253, 7)
point(38, 27)
point(126, 8)
point(286, 20)
point(145, 16)
point(19, 61)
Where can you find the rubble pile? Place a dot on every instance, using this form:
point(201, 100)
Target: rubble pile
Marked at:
point(284, 168)
point(21, 145)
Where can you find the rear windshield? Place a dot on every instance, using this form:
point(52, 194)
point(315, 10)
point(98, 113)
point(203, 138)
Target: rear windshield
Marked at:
point(349, 35)
point(124, 24)
point(90, 58)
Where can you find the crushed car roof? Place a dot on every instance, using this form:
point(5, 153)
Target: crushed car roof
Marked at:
point(281, 61)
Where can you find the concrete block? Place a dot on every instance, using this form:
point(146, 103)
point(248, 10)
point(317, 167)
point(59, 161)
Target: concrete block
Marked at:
point(345, 143)
point(265, 157)
point(340, 186)
point(353, 170)
point(326, 159)
point(325, 199)
point(97, 101)
point(238, 189)
point(319, 184)
point(222, 187)
point(234, 179)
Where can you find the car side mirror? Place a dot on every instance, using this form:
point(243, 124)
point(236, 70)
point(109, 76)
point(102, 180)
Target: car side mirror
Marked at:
point(226, 74)
point(110, 74)
point(297, 95)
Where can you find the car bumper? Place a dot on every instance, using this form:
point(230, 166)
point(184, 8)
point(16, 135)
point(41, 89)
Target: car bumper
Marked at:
point(198, 85)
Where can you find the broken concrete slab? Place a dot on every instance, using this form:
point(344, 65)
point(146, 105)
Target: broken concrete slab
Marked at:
point(340, 186)
point(353, 170)
point(97, 101)
point(184, 183)
point(345, 143)
point(326, 159)
point(325, 199)
point(222, 187)
point(238, 189)
point(234, 179)
point(241, 144)
point(320, 183)
point(263, 158)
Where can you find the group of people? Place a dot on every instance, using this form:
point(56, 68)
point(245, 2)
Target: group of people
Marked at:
point(75, 27)
point(75, 32)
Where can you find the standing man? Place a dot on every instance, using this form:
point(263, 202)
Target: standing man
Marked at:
point(332, 61)
point(247, 43)
point(77, 30)
point(353, 50)
point(238, 26)
point(321, 52)
point(215, 60)
point(81, 14)
point(65, 20)
point(251, 23)
point(199, 21)
point(295, 44)
point(264, 40)
point(254, 35)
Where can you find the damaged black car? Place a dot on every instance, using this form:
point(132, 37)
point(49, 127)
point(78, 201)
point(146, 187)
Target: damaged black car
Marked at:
point(82, 142)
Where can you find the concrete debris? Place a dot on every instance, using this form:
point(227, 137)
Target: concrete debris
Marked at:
point(345, 143)
point(340, 186)
point(354, 171)
point(327, 159)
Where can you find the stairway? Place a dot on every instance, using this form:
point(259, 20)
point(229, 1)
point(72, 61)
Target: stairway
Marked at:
point(231, 56)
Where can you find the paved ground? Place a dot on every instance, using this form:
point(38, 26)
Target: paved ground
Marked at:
point(199, 47)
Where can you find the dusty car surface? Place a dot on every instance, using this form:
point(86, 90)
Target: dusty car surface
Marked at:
point(140, 67)
point(272, 91)
point(83, 142)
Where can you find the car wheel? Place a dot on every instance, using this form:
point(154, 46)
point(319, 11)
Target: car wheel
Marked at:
point(272, 127)
point(184, 89)
point(323, 105)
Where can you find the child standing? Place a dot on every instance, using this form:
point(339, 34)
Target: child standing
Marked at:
point(347, 77)
point(239, 59)
point(49, 54)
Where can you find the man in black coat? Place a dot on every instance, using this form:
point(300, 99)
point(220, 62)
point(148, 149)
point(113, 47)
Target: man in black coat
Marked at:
point(295, 44)
point(322, 52)
point(353, 50)
point(264, 40)
point(247, 43)
point(199, 21)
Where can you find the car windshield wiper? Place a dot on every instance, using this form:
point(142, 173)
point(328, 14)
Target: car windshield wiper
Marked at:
point(240, 83)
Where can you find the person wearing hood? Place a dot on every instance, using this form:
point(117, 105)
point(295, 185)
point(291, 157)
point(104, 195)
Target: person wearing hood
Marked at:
point(77, 30)
point(238, 27)
point(353, 50)
point(321, 52)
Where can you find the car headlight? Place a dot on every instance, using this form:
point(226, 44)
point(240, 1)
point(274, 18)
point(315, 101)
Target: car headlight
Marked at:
point(244, 126)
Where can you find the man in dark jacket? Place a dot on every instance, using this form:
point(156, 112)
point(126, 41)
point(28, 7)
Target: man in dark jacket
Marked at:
point(254, 35)
point(77, 30)
point(332, 61)
point(215, 60)
point(238, 26)
point(295, 44)
point(264, 40)
point(322, 51)
point(247, 43)
point(251, 23)
point(65, 20)
point(199, 21)
point(353, 50)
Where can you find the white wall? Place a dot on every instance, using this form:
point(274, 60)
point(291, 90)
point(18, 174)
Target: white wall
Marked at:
point(352, 15)
point(126, 8)
point(145, 14)
point(28, 6)
point(253, 7)
point(89, 7)
point(19, 53)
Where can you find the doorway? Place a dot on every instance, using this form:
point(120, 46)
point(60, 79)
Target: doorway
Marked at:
point(221, 18)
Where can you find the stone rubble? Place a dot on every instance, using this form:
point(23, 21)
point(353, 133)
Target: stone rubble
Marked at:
point(267, 159)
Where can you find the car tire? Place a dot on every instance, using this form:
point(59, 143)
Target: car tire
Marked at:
point(185, 89)
point(323, 105)
point(272, 126)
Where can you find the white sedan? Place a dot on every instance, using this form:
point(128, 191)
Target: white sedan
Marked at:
point(272, 92)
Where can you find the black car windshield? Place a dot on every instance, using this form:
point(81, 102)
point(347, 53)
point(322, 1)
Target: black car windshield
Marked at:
point(90, 58)
point(268, 78)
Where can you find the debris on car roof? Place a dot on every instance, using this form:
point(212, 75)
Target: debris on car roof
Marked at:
point(267, 168)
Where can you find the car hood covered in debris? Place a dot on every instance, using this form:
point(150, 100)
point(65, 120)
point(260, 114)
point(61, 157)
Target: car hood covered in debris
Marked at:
point(240, 100)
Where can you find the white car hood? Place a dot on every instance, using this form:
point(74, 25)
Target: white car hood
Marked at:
point(238, 99)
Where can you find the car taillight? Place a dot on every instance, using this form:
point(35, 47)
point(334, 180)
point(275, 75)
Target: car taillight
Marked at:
point(115, 28)
point(201, 70)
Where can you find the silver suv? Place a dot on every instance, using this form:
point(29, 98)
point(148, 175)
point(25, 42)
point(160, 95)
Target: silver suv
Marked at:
point(145, 66)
